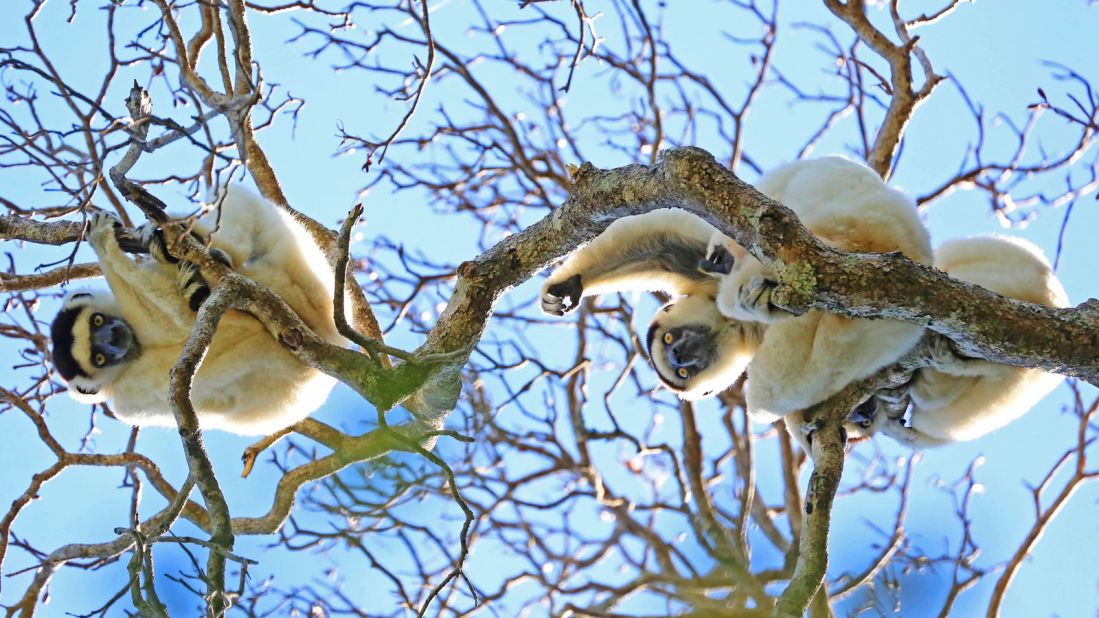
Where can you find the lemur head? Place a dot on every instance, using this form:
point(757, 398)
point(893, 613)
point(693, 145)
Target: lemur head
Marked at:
point(865, 420)
point(91, 344)
point(695, 350)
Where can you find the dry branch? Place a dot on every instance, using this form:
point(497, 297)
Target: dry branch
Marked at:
point(904, 96)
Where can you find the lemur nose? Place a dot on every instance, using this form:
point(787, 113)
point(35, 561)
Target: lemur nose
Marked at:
point(681, 355)
point(676, 351)
point(118, 335)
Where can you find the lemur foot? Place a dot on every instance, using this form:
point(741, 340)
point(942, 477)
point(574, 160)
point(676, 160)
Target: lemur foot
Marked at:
point(808, 428)
point(192, 285)
point(152, 237)
point(102, 227)
point(755, 299)
point(899, 430)
point(718, 261)
point(555, 295)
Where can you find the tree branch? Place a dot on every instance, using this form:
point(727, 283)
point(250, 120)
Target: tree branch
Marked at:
point(811, 274)
point(905, 97)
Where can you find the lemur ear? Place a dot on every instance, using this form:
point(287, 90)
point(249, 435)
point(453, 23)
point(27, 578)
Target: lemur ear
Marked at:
point(76, 297)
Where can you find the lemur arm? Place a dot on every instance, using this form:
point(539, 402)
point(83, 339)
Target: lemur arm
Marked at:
point(147, 290)
point(657, 251)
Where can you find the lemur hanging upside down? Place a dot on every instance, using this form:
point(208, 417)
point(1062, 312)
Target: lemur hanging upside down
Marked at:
point(722, 317)
point(119, 346)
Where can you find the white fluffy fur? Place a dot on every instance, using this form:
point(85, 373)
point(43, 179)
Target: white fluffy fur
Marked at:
point(247, 383)
point(806, 359)
point(963, 399)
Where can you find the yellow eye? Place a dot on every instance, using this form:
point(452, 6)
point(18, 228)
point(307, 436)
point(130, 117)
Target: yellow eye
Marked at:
point(668, 338)
point(682, 372)
point(100, 360)
point(97, 319)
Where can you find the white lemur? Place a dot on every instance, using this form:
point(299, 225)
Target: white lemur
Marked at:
point(701, 343)
point(958, 398)
point(805, 359)
point(120, 345)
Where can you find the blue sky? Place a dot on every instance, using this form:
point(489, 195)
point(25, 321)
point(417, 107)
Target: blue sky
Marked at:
point(996, 52)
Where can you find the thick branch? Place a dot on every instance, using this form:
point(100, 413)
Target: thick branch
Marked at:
point(181, 377)
point(828, 456)
point(57, 276)
point(813, 276)
point(828, 439)
point(57, 233)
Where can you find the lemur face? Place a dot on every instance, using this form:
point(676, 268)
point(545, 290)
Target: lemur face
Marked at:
point(91, 343)
point(696, 351)
point(679, 353)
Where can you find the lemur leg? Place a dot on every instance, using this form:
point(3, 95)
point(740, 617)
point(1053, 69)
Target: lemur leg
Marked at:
point(192, 286)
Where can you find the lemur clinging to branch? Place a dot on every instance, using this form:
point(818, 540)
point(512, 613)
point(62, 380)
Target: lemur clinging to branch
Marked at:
point(119, 346)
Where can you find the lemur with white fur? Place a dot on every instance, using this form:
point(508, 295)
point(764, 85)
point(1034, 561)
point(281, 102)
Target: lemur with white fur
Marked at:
point(722, 318)
point(119, 346)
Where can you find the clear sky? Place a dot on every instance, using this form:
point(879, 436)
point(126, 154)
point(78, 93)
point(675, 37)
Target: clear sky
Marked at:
point(996, 49)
